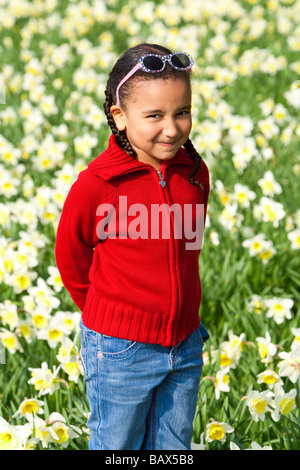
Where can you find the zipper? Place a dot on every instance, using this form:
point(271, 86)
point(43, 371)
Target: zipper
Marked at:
point(162, 181)
point(166, 198)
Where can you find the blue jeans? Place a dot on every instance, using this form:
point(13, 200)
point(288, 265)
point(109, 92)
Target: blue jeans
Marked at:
point(141, 396)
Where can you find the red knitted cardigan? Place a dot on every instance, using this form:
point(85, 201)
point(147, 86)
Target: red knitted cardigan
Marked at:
point(132, 276)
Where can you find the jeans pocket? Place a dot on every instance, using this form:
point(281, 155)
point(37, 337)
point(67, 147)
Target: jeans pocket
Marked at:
point(117, 348)
point(82, 355)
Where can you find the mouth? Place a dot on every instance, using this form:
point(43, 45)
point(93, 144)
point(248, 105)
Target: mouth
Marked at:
point(167, 144)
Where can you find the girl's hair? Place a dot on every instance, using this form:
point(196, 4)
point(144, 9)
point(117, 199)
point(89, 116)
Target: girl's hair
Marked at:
point(123, 65)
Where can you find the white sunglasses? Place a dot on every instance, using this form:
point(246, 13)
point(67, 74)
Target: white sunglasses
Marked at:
point(154, 63)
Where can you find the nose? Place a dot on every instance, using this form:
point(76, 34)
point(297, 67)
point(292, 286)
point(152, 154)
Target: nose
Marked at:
point(171, 129)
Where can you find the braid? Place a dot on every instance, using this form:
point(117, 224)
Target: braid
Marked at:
point(121, 137)
point(198, 159)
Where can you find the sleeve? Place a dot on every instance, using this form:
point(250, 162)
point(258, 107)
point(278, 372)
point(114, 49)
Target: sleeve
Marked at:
point(75, 238)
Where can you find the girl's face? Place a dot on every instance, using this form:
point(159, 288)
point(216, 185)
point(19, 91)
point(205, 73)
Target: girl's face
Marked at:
point(157, 119)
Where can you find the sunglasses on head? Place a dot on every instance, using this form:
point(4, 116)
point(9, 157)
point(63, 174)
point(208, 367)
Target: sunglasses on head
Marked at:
point(154, 63)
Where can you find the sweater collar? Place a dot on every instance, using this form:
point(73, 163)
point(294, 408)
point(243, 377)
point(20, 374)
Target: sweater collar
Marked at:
point(114, 162)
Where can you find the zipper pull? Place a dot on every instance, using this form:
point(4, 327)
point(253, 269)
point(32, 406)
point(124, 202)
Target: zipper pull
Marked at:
point(162, 181)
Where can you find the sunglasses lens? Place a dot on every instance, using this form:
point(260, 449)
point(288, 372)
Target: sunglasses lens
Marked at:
point(153, 63)
point(180, 61)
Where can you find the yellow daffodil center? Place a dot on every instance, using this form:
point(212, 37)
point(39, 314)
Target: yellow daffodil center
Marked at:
point(61, 434)
point(9, 342)
point(286, 405)
point(224, 360)
point(71, 368)
point(55, 335)
point(6, 440)
point(269, 379)
point(259, 405)
point(216, 432)
point(263, 350)
point(29, 407)
point(40, 321)
point(41, 384)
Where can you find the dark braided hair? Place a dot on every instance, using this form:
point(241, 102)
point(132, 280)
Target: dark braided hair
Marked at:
point(124, 64)
point(121, 136)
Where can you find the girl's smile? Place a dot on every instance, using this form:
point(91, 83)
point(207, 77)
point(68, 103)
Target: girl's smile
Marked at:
point(157, 119)
point(167, 144)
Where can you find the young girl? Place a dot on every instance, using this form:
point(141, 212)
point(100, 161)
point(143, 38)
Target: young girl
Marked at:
point(125, 254)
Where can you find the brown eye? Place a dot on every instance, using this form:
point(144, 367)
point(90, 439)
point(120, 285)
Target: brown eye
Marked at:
point(184, 113)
